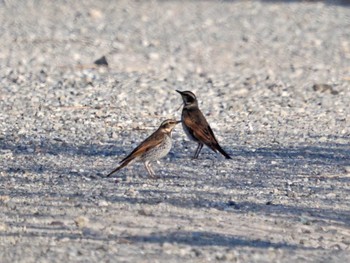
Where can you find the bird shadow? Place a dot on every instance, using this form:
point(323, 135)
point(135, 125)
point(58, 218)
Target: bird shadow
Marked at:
point(263, 167)
point(192, 238)
point(206, 238)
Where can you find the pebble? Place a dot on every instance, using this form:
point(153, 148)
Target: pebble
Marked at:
point(81, 221)
point(103, 203)
point(3, 227)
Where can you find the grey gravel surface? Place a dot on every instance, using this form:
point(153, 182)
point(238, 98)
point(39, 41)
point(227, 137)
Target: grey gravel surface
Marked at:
point(273, 80)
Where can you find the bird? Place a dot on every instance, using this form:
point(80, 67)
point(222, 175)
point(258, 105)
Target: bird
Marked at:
point(156, 146)
point(196, 126)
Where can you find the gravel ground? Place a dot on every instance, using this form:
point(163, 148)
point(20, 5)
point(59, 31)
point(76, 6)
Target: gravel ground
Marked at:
point(273, 79)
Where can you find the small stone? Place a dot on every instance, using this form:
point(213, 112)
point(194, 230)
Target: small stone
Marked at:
point(323, 139)
point(81, 221)
point(56, 223)
point(101, 61)
point(3, 226)
point(154, 56)
point(305, 220)
point(321, 87)
point(145, 212)
point(291, 194)
point(103, 203)
point(347, 169)
point(99, 113)
point(131, 192)
point(331, 195)
point(220, 256)
point(4, 198)
point(167, 246)
point(233, 204)
point(324, 88)
point(95, 13)
point(30, 150)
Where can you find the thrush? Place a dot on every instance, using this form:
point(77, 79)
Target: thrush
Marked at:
point(156, 146)
point(196, 126)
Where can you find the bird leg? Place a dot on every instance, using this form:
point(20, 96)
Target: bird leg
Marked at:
point(150, 170)
point(199, 148)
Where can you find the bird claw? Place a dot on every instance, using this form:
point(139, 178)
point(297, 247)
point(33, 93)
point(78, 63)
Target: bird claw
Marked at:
point(154, 176)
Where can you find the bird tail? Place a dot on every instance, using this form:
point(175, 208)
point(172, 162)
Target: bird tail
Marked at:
point(223, 152)
point(125, 163)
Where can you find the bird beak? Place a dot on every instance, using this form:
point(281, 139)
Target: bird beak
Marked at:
point(182, 99)
point(177, 122)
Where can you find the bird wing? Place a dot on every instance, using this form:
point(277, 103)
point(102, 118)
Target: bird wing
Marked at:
point(199, 127)
point(152, 141)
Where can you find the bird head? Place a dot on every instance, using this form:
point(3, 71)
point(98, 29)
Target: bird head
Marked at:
point(188, 98)
point(168, 125)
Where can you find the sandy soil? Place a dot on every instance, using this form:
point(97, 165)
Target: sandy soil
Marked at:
point(273, 79)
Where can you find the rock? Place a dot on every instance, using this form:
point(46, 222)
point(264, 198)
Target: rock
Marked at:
point(101, 61)
point(103, 203)
point(3, 227)
point(324, 88)
point(81, 221)
point(145, 212)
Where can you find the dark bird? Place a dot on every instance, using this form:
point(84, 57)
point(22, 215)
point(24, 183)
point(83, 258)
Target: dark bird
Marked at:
point(156, 146)
point(196, 126)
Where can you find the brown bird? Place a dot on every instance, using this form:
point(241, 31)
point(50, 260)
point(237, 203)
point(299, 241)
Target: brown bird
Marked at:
point(156, 146)
point(196, 126)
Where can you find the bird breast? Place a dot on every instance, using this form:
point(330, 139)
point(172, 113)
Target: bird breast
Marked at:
point(159, 151)
point(188, 131)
